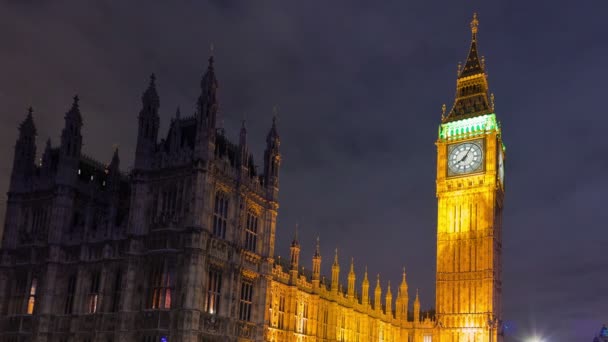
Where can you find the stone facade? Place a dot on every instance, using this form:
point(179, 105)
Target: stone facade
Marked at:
point(92, 254)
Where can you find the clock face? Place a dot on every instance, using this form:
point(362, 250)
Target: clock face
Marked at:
point(465, 157)
point(501, 167)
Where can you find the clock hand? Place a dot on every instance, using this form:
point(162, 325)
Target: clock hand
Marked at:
point(465, 157)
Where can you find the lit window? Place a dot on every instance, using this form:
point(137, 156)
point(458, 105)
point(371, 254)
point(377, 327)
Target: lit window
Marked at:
point(94, 293)
point(305, 318)
point(251, 232)
point(162, 279)
point(427, 338)
point(246, 301)
point(214, 286)
point(325, 322)
point(220, 215)
point(31, 302)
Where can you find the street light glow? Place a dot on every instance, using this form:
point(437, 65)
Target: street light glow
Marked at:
point(535, 339)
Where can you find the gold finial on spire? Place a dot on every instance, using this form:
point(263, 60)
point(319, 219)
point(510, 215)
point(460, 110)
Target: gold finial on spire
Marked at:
point(474, 24)
point(492, 101)
point(483, 62)
point(443, 108)
point(459, 68)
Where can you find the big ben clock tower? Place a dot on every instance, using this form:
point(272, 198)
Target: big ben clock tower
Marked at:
point(470, 192)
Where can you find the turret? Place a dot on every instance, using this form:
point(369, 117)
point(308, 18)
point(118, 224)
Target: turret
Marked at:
point(402, 300)
point(25, 154)
point(416, 308)
point(147, 131)
point(272, 159)
point(316, 266)
point(365, 289)
point(378, 295)
point(243, 149)
point(176, 133)
point(71, 139)
point(71, 145)
point(351, 280)
point(206, 114)
point(295, 257)
point(113, 187)
point(113, 171)
point(335, 274)
point(388, 301)
point(47, 159)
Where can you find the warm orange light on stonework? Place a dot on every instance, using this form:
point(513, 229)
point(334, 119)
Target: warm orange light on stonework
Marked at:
point(470, 199)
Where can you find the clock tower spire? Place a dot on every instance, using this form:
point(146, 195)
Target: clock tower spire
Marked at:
point(470, 192)
point(472, 93)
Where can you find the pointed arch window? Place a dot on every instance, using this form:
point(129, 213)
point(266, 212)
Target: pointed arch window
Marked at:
point(246, 301)
point(31, 301)
point(93, 298)
point(117, 291)
point(220, 215)
point(162, 285)
point(214, 287)
point(69, 298)
point(281, 318)
point(251, 231)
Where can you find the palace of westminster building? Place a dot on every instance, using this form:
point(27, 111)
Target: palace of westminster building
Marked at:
point(182, 247)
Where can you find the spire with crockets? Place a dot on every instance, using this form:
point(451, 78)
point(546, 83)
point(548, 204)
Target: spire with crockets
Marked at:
point(472, 90)
point(71, 138)
point(25, 153)
point(207, 104)
point(148, 124)
point(206, 114)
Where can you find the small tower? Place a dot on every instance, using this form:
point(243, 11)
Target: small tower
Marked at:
point(316, 266)
point(388, 301)
point(417, 308)
point(243, 150)
point(113, 171)
point(378, 295)
point(335, 274)
point(365, 289)
point(47, 156)
point(71, 145)
point(402, 299)
point(147, 131)
point(71, 139)
point(25, 154)
point(272, 159)
point(206, 114)
point(175, 133)
point(295, 257)
point(351, 280)
point(113, 187)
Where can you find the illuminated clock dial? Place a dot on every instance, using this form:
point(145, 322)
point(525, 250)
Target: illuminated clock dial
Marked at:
point(501, 167)
point(465, 157)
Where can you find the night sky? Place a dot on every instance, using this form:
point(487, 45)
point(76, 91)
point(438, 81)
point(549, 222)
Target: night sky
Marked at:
point(359, 86)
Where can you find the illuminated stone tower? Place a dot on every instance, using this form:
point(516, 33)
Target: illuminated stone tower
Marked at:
point(470, 192)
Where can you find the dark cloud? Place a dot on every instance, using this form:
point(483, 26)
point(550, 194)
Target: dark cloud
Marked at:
point(359, 87)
